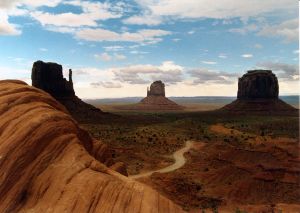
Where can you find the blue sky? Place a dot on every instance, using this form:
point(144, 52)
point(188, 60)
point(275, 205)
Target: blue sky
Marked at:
point(117, 48)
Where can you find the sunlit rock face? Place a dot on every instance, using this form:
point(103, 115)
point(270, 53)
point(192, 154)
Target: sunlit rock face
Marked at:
point(257, 84)
point(156, 99)
point(49, 164)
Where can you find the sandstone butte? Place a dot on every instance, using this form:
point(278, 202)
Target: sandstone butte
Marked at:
point(156, 100)
point(49, 164)
point(49, 77)
point(258, 92)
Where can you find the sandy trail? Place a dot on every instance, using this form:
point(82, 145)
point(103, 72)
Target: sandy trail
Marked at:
point(179, 162)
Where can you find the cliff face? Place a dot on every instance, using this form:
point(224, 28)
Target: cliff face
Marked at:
point(49, 164)
point(156, 99)
point(49, 77)
point(258, 84)
point(157, 88)
point(258, 92)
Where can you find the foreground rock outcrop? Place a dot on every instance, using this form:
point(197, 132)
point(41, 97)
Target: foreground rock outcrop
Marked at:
point(49, 77)
point(49, 164)
point(258, 92)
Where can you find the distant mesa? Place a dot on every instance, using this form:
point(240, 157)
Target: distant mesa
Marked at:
point(49, 77)
point(155, 100)
point(157, 88)
point(257, 84)
point(258, 92)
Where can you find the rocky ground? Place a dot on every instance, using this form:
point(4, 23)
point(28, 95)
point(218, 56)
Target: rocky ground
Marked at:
point(239, 162)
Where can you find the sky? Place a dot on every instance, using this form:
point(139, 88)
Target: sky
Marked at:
point(117, 48)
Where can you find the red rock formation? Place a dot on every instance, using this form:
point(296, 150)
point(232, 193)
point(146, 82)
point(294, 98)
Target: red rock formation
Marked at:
point(157, 88)
point(258, 84)
point(49, 77)
point(49, 164)
point(156, 99)
point(258, 92)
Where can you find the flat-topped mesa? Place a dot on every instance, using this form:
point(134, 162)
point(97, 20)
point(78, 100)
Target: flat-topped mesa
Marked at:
point(49, 77)
point(157, 88)
point(258, 93)
point(258, 84)
point(156, 99)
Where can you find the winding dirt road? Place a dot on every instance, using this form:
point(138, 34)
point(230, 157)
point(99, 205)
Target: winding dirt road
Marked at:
point(179, 162)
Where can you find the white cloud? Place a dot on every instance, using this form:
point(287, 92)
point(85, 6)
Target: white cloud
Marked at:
point(244, 30)
point(142, 36)
point(168, 72)
point(143, 20)
point(64, 19)
point(296, 51)
point(7, 28)
point(204, 75)
point(119, 56)
point(138, 52)
point(7, 4)
point(43, 49)
point(92, 12)
point(222, 55)
point(39, 3)
point(103, 57)
point(114, 48)
point(247, 55)
point(223, 9)
point(283, 70)
point(106, 84)
point(191, 32)
point(209, 62)
point(107, 57)
point(289, 30)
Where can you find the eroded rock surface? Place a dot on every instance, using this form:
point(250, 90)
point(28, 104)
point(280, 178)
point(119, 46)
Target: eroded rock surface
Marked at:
point(258, 84)
point(49, 164)
point(156, 99)
point(157, 88)
point(258, 93)
point(49, 77)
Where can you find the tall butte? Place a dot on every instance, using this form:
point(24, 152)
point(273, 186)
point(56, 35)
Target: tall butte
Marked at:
point(258, 92)
point(156, 99)
point(49, 77)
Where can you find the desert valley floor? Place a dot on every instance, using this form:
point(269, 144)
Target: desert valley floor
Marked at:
point(236, 163)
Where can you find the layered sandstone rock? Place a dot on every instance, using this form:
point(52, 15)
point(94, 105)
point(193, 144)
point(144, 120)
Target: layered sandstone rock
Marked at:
point(258, 84)
point(49, 164)
point(156, 99)
point(157, 88)
point(49, 77)
point(258, 92)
